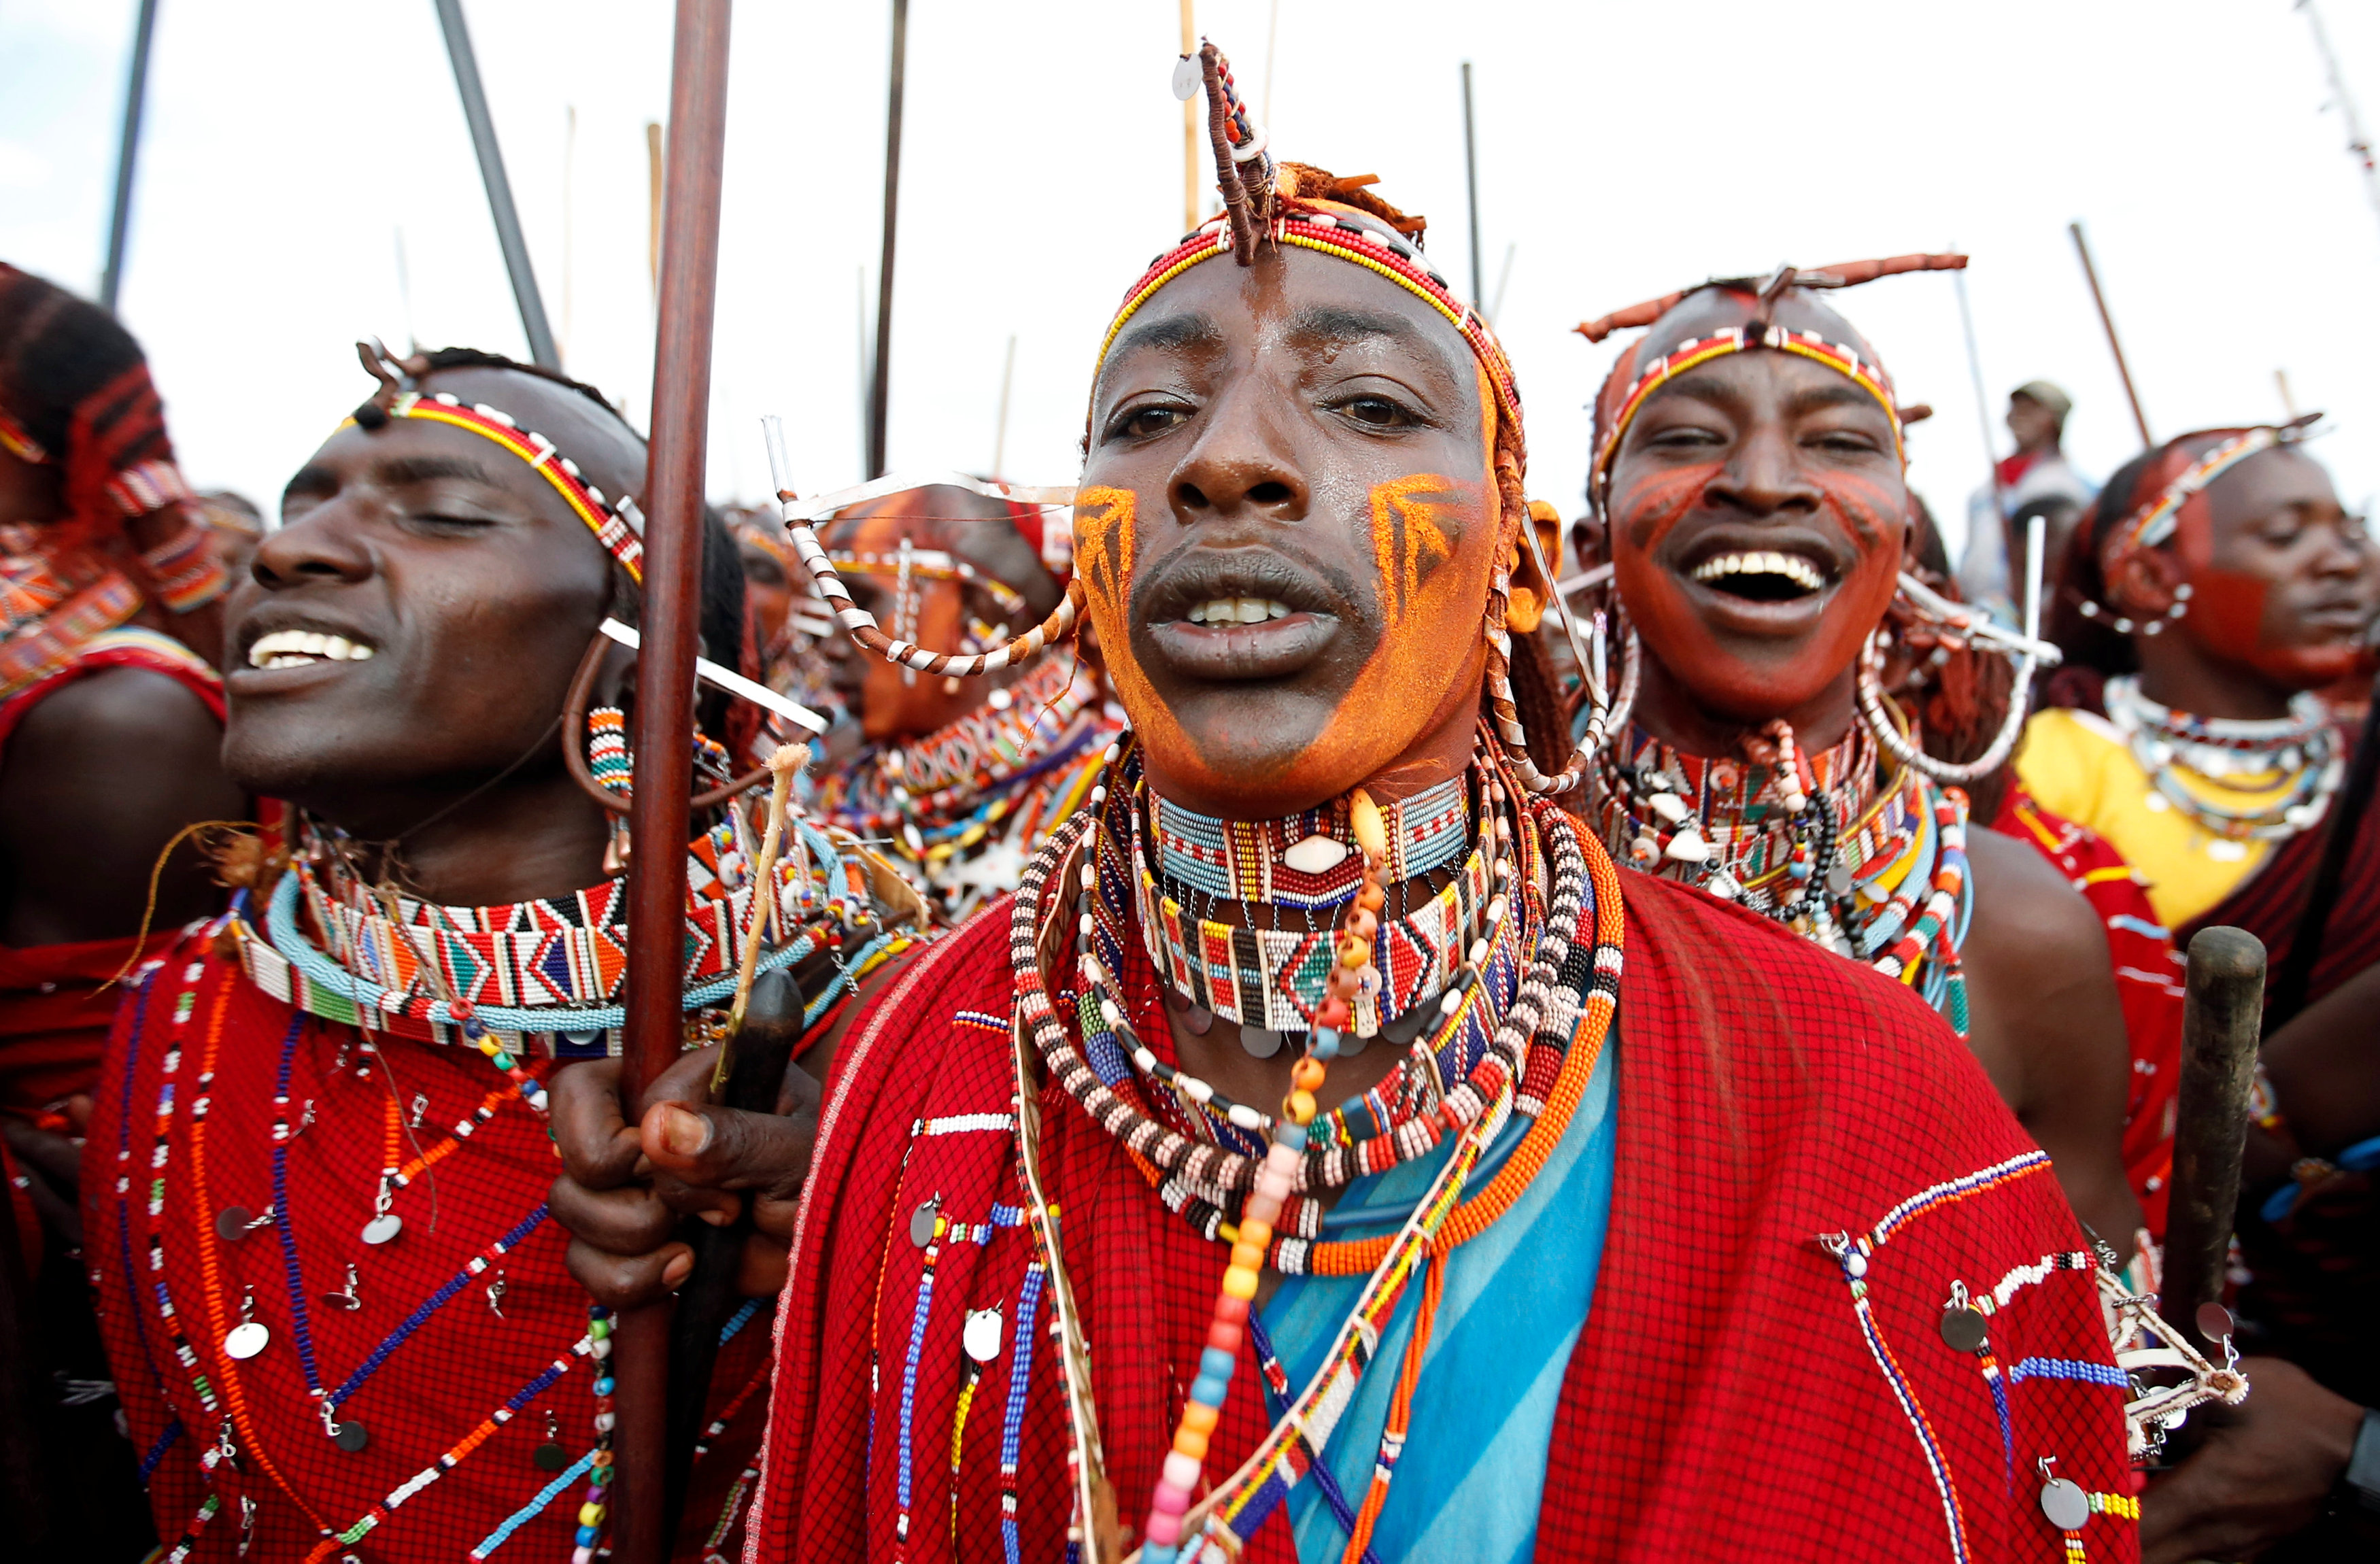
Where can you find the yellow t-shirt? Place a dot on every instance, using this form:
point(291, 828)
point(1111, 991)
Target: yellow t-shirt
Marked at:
point(2078, 765)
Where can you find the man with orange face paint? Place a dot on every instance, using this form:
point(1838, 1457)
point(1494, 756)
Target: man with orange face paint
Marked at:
point(961, 778)
point(1269, 1178)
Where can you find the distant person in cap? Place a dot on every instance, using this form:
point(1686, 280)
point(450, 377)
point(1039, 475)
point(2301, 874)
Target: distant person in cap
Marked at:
point(2037, 480)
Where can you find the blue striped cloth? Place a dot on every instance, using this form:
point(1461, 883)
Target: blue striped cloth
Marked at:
point(1473, 1467)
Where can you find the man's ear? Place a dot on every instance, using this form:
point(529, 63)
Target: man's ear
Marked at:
point(1532, 587)
point(2142, 584)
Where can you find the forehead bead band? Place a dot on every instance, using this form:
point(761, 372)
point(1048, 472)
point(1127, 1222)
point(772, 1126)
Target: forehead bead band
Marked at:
point(1842, 358)
point(616, 524)
point(2154, 522)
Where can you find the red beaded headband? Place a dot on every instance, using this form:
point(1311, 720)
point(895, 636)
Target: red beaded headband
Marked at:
point(1353, 236)
point(2155, 522)
point(616, 524)
point(1845, 359)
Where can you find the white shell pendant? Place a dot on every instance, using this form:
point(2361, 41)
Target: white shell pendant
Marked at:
point(382, 1228)
point(1188, 77)
point(1688, 847)
point(982, 1336)
point(1316, 854)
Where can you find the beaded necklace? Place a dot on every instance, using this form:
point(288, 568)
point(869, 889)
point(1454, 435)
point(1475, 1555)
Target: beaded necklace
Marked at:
point(1271, 980)
point(2293, 764)
point(1569, 980)
point(966, 802)
point(540, 975)
point(1869, 867)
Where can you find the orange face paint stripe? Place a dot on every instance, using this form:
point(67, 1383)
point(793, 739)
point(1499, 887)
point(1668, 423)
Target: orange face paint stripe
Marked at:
point(1404, 521)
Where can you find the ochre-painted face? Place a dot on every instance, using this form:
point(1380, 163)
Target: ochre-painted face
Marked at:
point(894, 703)
point(2282, 579)
point(1287, 531)
point(1745, 457)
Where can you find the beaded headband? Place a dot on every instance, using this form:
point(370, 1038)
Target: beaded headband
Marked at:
point(618, 524)
point(2153, 524)
point(1853, 360)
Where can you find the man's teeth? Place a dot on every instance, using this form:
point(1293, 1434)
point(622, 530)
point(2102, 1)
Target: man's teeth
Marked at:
point(1238, 610)
point(1794, 567)
point(294, 649)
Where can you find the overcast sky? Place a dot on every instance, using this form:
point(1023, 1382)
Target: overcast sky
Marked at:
point(307, 178)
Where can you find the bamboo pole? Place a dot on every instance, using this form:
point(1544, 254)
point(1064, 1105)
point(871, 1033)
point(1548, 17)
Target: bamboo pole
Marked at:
point(657, 822)
point(2108, 324)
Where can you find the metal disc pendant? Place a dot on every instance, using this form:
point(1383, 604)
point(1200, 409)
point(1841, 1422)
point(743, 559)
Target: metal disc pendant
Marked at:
point(1839, 876)
point(1176, 1001)
point(1352, 1042)
point(1261, 1042)
point(922, 1220)
point(1964, 1330)
point(232, 1223)
point(550, 1457)
point(981, 1335)
point(2068, 1507)
point(246, 1339)
point(2214, 1322)
point(350, 1435)
point(1406, 1025)
point(382, 1228)
point(1189, 75)
point(1199, 1019)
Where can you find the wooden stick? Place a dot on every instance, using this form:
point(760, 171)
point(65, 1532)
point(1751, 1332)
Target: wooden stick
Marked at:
point(654, 207)
point(531, 303)
point(2222, 1021)
point(880, 383)
point(127, 155)
point(1471, 185)
point(1000, 429)
point(1191, 107)
point(2107, 323)
point(658, 822)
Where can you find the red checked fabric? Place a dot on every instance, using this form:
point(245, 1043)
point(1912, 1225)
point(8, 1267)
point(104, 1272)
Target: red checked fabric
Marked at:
point(2148, 972)
point(434, 1389)
point(1722, 1403)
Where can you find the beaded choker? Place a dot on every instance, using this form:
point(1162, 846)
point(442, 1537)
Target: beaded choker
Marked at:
point(1871, 868)
point(2291, 765)
point(966, 802)
point(551, 968)
point(1274, 979)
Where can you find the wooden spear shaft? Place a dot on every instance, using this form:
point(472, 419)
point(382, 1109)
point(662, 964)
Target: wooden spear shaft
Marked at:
point(2108, 324)
point(658, 821)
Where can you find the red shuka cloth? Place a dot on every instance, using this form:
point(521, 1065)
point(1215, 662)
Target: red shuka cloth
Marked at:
point(55, 1007)
point(2270, 902)
point(2148, 972)
point(434, 1389)
point(1723, 1401)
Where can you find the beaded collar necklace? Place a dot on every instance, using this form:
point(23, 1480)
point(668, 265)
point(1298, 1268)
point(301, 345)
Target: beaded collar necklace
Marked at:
point(1272, 980)
point(1870, 867)
point(1478, 1048)
point(2294, 764)
point(966, 802)
point(544, 973)
point(48, 613)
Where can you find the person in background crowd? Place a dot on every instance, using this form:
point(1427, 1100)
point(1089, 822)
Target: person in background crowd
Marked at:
point(237, 526)
point(2038, 474)
point(961, 778)
point(110, 716)
point(2213, 584)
